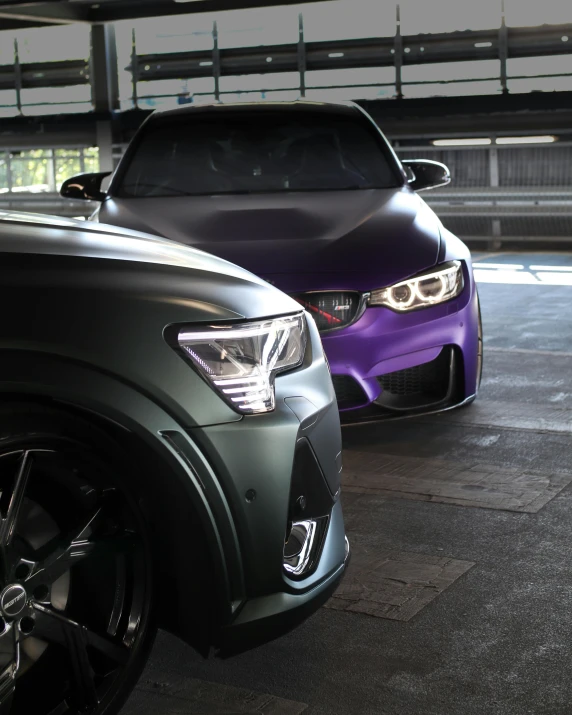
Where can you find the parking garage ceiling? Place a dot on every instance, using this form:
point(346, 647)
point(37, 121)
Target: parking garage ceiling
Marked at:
point(15, 15)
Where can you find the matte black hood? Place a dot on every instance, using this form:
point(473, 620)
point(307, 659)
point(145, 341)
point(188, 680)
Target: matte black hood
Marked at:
point(380, 235)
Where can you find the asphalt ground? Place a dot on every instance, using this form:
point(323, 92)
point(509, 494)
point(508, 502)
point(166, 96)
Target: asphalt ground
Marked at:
point(459, 597)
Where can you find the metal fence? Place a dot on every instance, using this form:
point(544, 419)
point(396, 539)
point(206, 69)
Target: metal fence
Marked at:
point(503, 193)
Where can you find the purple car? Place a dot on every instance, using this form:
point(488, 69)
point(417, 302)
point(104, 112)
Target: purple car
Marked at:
point(311, 197)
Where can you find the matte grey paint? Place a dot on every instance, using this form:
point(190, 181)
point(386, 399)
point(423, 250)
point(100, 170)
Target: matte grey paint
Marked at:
point(89, 309)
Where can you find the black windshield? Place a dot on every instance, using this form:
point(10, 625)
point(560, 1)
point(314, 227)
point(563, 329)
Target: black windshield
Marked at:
point(256, 152)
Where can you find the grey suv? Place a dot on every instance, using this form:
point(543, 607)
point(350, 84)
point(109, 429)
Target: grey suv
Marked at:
point(170, 456)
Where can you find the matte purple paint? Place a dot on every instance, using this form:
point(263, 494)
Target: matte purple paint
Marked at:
point(352, 240)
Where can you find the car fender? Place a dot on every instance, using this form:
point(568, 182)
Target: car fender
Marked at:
point(186, 475)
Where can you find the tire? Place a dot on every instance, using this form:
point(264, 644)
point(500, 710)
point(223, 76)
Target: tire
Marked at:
point(76, 570)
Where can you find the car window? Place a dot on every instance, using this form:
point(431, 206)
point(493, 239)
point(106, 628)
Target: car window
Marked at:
point(256, 152)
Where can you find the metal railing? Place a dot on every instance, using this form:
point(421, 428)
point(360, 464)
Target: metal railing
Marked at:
point(398, 52)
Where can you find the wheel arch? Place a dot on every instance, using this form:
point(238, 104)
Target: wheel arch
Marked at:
point(189, 552)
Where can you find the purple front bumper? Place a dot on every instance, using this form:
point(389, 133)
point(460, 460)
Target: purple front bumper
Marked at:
point(383, 341)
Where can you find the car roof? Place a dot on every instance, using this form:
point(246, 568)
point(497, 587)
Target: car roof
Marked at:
point(299, 105)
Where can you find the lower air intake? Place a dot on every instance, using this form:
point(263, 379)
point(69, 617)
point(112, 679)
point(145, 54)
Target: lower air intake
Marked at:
point(348, 392)
point(422, 385)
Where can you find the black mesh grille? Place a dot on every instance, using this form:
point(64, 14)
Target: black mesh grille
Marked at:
point(424, 383)
point(348, 391)
point(332, 309)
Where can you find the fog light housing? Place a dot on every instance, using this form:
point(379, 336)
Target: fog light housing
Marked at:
point(303, 545)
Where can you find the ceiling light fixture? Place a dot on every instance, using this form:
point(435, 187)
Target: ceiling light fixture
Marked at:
point(539, 139)
point(462, 142)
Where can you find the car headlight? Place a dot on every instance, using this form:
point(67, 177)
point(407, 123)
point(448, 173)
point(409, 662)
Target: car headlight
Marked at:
point(429, 288)
point(241, 361)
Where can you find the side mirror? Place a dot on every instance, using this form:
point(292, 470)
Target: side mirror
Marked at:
point(426, 174)
point(409, 173)
point(84, 186)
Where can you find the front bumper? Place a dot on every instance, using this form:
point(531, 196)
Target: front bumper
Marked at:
point(262, 465)
point(269, 617)
point(390, 364)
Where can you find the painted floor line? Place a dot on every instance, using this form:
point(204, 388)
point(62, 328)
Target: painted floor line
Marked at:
point(527, 351)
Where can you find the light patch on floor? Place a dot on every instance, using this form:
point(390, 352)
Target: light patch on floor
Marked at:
point(394, 584)
point(176, 695)
point(527, 351)
point(486, 440)
point(472, 484)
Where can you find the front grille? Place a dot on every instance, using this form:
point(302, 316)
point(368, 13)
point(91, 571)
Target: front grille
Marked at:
point(331, 309)
point(348, 391)
point(419, 385)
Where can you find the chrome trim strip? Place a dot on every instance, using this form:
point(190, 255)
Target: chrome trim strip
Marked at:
point(297, 563)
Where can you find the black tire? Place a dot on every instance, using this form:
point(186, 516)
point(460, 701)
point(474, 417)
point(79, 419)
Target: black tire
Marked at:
point(75, 550)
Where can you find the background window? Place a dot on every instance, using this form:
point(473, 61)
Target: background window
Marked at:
point(346, 20)
point(31, 170)
point(53, 44)
point(258, 27)
point(527, 14)
point(455, 89)
point(435, 16)
point(354, 76)
point(450, 71)
point(279, 80)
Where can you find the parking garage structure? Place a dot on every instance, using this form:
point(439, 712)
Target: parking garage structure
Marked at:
point(457, 596)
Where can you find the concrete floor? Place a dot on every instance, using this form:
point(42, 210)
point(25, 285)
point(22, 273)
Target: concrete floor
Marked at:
point(494, 638)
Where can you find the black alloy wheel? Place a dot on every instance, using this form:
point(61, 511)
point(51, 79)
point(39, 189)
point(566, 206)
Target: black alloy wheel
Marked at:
point(76, 611)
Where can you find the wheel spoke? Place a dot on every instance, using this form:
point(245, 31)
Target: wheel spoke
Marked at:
point(53, 626)
point(119, 600)
point(61, 553)
point(65, 555)
point(7, 687)
point(59, 629)
point(10, 647)
point(9, 521)
point(85, 692)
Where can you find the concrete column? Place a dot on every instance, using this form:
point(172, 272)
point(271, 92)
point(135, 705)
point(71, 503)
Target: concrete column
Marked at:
point(398, 54)
point(301, 55)
point(103, 69)
point(104, 139)
point(493, 166)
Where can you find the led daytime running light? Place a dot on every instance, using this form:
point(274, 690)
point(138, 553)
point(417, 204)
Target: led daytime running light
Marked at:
point(240, 362)
point(424, 290)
